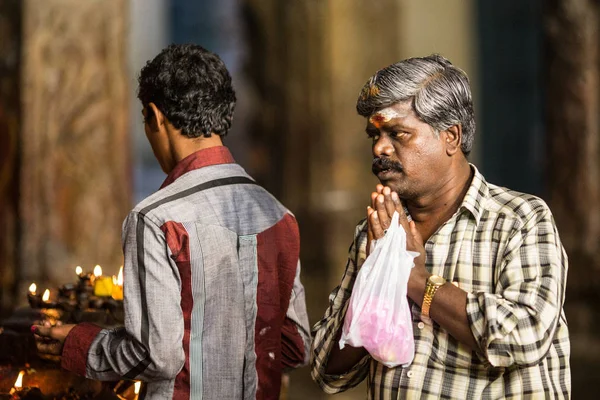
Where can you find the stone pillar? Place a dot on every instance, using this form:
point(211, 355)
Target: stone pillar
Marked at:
point(572, 126)
point(309, 61)
point(573, 154)
point(10, 110)
point(65, 104)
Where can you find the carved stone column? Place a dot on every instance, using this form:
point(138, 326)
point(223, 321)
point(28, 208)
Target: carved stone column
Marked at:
point(572, 127)
point(66, 107)
point(573, 153)
point(10, 53)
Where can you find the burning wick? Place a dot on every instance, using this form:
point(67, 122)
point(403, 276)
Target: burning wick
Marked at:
point(97, 271)
point(46, 296)
point(136, 389)
point(32, 297)
point(78, 270)
point(18, 383)
point(120, 277)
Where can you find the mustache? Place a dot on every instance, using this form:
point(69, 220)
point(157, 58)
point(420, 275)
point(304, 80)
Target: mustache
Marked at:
point(380, 164)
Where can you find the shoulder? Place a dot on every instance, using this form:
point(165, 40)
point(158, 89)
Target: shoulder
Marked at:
point(522, 207)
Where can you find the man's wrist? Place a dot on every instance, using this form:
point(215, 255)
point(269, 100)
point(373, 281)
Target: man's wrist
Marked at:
point(434, 282)
point(417, 284)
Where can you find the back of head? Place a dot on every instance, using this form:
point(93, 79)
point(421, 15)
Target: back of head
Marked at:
point(192, 87)
point(439, 92)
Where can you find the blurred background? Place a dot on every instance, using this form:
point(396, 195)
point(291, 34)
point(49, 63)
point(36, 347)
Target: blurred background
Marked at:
point(74, 158)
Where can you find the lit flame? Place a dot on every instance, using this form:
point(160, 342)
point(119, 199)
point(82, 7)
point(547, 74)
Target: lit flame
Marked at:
point(78, 270)
point(97, 271)
point(32, 288)
point(19, 381)
point(120, 277)
point(46, 295)
point(136, 387)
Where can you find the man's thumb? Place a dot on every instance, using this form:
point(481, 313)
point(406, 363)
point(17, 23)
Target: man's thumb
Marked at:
point(42, 331)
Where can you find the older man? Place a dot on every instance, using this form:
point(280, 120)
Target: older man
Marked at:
point(487, 292)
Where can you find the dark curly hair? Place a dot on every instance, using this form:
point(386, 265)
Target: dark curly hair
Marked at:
point(192, 87)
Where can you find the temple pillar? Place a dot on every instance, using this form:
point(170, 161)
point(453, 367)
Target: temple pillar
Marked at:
point(64, 172)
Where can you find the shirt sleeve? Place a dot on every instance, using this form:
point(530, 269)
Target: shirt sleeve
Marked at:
point(325, 331)
point(295, 333)
point(516, 324)
point(152, 304)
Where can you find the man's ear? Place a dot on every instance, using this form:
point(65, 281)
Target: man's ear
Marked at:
point(452, 138)
point(155, 117)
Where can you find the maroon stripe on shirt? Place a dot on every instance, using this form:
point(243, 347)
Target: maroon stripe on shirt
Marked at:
point(179, 244)
point(278, 250)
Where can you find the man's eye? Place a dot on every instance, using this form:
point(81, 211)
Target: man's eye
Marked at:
point(373, 136)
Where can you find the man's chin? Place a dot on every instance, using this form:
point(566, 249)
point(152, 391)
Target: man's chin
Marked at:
point(391, 179)
point(399, 187)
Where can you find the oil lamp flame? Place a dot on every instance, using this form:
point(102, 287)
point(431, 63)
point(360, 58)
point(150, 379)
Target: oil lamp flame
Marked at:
point(46, 295)
point(120, 277)
point(19, 381)
point(32, 288)
point(78, 270)
point(97, 271)
point(136, 388)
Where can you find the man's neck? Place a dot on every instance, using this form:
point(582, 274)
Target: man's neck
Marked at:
point(183, 146)
point(431, 211)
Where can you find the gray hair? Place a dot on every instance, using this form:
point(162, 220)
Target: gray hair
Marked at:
point(439, 92)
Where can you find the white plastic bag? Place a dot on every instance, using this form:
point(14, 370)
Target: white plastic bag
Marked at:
point(378, 316)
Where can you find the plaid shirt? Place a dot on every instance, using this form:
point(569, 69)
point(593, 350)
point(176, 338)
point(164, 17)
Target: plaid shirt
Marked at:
point(503, 249)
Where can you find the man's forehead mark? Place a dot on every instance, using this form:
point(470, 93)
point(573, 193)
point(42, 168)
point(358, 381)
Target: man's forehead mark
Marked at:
point(382, 116)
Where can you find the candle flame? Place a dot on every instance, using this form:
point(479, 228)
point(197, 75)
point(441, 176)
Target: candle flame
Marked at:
point(120, 277)
point(19, 381)
point(136, 388)
point(46, 295)
point(97, 271)
point(78, 270)
point(32, 288)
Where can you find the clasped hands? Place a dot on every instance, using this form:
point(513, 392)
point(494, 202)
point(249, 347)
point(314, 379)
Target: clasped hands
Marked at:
point(379, 217)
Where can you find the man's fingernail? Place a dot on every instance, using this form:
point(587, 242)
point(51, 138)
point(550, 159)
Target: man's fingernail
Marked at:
point(395, 197)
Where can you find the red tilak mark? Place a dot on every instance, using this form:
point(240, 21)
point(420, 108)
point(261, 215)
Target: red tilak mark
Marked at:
point(377, 118)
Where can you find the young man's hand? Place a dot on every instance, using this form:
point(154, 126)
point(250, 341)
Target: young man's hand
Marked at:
point(50, 340)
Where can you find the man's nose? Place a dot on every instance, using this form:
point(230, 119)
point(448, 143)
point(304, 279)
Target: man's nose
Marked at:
point(383, 147)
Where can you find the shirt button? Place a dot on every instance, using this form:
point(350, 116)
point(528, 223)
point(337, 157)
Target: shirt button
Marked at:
point(421, 325)
point(410, 374)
